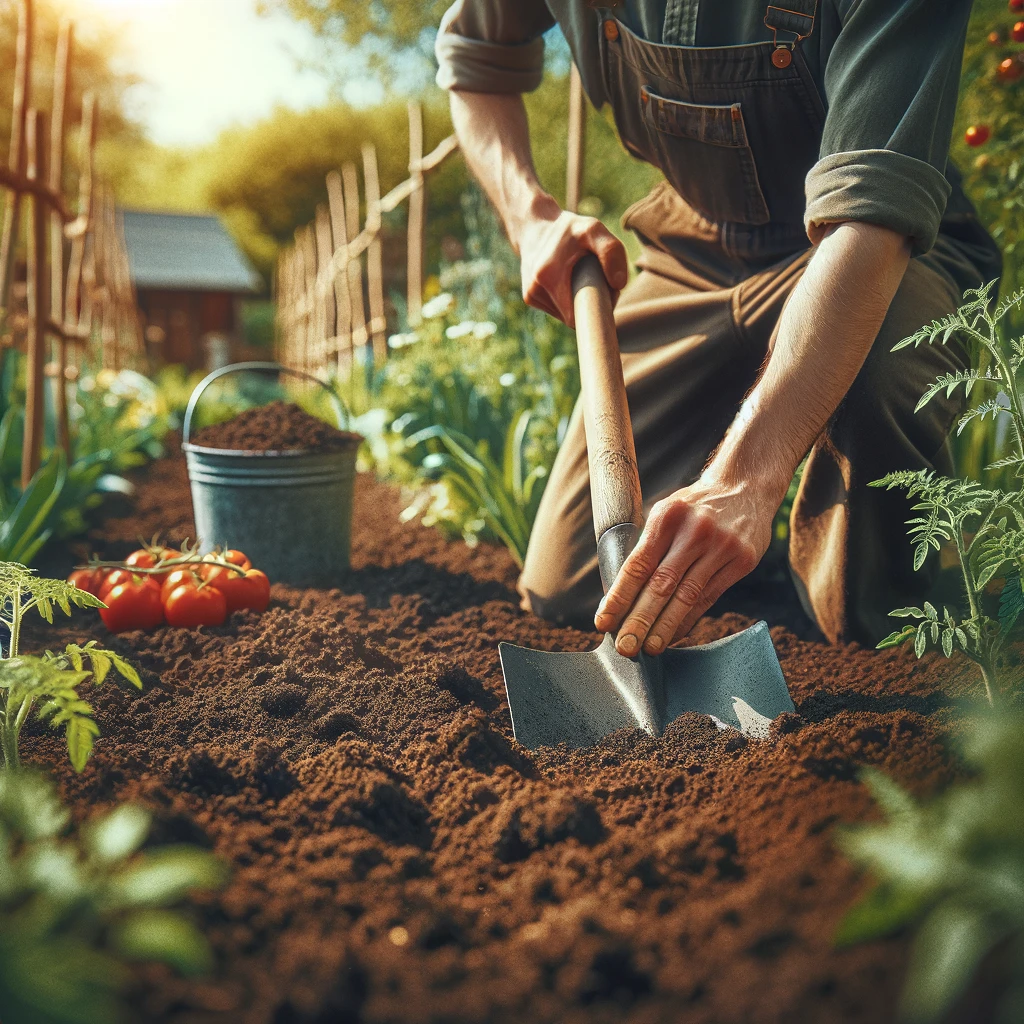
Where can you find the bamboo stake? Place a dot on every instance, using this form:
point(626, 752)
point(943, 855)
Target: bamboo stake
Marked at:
point(73, 303)
point(417, 217)
point(374, 254)
point(355, 266)
point(342, 288)
point(17, 158)
point(577, 141)
point(309, 263)
point(60, 100)
point(327, 324)
point(35, 128)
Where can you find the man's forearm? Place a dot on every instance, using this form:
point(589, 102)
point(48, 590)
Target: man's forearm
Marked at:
point(494, 136)
point(825, 334)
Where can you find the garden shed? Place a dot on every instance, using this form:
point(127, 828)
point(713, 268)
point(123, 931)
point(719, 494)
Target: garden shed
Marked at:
point(190, 278)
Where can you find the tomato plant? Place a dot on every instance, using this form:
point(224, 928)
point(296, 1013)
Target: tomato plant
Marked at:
point(134, 604)
point(191, 604)
point(49, 682)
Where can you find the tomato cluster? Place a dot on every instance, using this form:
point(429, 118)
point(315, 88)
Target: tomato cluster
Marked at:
point(194, 592)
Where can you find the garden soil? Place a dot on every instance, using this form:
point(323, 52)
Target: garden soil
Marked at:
point(275, 427)
point(398, 859)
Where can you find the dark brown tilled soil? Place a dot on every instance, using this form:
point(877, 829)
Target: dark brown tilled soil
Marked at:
point(398, 859)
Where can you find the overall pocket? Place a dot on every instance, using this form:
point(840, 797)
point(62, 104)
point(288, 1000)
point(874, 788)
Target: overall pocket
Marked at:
point(703, 151)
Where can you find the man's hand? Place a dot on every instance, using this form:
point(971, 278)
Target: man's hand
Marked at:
point(704, 538)
point(697, 543)
point(551, 242)
point(495, 140)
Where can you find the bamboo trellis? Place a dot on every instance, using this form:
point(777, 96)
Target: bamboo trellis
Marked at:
point(77, 285)
point(323, 321)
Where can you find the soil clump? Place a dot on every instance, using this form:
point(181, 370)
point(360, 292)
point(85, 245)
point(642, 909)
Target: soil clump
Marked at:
point(398, 859)
point(275, 427)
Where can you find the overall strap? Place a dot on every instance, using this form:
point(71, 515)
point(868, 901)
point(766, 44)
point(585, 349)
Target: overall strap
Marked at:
point(797, 18)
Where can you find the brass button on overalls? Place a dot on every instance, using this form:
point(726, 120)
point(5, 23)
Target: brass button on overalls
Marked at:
point(611, 30)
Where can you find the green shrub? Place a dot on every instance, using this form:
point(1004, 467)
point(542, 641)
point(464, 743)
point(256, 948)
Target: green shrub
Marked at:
point(953, 868)
point(77, 907)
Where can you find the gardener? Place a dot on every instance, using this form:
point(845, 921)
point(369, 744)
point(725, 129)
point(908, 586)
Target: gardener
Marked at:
point(807, 222)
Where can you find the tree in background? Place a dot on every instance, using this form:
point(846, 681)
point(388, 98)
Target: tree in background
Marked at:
point(96, 49)
point(386, 31)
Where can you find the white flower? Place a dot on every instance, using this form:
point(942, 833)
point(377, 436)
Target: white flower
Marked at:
point(401, 340)
point(506, 380)
point(461, 330)
point(438, 305)
point(484, 329)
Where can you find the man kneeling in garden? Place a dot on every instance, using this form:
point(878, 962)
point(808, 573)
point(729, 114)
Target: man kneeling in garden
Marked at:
point(809, 220)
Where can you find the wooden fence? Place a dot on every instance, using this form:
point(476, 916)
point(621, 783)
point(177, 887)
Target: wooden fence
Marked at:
point(325, 319)
point(77, 290)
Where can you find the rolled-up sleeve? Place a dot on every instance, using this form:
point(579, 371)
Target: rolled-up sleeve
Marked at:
point(891, 83)
point(492, 45)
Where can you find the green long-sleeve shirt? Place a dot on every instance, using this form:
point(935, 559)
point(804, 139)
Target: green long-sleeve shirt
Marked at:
point(887, 71)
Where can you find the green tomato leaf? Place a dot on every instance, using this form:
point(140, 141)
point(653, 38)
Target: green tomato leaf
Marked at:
point(167, 937)
point(118, 834)
point(81, 733)
point(895, 639)
point(947, 642)
point(884, 909)
point(946, 953)
point(166, 876)
point(921, 640)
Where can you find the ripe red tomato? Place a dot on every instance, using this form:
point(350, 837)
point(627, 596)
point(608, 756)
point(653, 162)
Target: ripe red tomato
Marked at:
point(114, 578)
point(249, 591)
point(89, 580)
point(1017, 5)
point(147, 558)
point(1010, 70)
point(189, 605)
point(237, 558)
point(143, 558)
point(1018, 32)
point(174, 579)
point(133, 605)
point(977, 135)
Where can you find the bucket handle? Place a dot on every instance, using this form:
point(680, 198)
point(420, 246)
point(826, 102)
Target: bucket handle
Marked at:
point(265, 367)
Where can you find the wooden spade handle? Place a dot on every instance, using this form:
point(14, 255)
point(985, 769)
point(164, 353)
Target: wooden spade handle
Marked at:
point(614, 480)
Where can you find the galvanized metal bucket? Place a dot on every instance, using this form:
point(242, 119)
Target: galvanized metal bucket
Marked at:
point(289, 511)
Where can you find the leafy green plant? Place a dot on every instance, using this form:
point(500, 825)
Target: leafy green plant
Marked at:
point(51, 681)
point(954, 868)
point(985, 525)
point(77, 907)
point(507, 492)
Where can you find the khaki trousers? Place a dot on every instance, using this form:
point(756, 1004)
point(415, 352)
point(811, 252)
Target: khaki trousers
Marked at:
point(693, 337)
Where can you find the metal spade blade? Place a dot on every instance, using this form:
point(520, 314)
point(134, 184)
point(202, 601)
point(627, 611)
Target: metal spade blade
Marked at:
point(578, 698)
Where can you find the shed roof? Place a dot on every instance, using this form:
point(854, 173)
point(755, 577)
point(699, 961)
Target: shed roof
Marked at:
point(187, 251)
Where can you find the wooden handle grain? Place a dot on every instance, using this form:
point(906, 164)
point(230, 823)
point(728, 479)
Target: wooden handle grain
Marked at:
point(614, 479)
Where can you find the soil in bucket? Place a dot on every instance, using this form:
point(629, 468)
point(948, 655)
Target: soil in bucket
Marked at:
point(275, 427)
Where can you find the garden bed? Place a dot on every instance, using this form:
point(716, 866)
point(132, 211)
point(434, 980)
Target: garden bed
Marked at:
point(397, 858)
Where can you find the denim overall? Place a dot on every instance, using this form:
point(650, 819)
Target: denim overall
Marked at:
point(735, 130)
